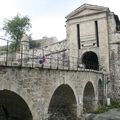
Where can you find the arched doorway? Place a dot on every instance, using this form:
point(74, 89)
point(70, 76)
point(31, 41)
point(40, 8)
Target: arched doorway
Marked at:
point(90, 60)
point(88, 98)
point(13, 107)
point(100, 92)
point(63, 104)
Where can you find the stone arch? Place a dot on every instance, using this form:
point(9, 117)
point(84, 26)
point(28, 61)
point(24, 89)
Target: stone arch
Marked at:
point(100, 92)
point(89, 98)
point(90, 60)
point(63, 103)
point(13, 106)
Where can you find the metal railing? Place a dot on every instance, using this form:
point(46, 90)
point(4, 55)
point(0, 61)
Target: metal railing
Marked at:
point(39, 58)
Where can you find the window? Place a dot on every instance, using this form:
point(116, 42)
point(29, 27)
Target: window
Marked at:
point(96, 32)
point(78, 35)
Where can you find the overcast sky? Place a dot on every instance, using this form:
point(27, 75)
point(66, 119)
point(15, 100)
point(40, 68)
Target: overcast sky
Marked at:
point(48, 16)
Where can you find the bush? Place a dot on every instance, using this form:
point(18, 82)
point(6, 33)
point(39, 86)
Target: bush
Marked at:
point(101, 109)
point(115, 104)
point(104, 108)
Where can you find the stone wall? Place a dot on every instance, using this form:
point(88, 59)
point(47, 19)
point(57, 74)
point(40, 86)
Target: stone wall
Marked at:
point(88, 37)
point(114, 48)
point(54, 53)
point(36, 86)
point(45, 41)
point(109, 40)
point(115, 70)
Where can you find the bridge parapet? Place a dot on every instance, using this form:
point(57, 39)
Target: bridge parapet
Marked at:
point(41, 57)
point(51, 61)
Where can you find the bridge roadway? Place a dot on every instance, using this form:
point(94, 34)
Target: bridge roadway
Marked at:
point(40, 93)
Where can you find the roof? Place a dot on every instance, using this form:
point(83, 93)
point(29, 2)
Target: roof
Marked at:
point(87, 7)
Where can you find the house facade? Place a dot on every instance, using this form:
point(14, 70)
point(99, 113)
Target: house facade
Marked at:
point(93, 36)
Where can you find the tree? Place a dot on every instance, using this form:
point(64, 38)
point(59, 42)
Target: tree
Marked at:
point(32, 43)
point(15, 28)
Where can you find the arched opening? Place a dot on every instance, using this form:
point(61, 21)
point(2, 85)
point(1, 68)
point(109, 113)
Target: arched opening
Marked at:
point(13, 107)
point(90, 60)
point(88, 98)
point(63, 104)
point(100, 92)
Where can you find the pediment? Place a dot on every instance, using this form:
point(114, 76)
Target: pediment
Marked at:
point(85, 10)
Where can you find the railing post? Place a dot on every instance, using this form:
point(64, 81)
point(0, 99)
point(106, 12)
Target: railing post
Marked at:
point(33, 58)
point(77, 62)
point(63, 60)
point(21, 56)
point(57, 61)
point(50, 60)
point(7, 53)
point(73, 63)
point(68, 63)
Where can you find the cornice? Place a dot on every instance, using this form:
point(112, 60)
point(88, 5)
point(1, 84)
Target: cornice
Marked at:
point(89, 7)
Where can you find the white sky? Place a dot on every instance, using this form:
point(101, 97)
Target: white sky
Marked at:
point(48, 16)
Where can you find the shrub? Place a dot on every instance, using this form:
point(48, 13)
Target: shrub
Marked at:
point(101, 109)
point(115, 104)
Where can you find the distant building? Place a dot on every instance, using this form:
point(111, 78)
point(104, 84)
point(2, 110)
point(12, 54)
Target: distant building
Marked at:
point(45, 41)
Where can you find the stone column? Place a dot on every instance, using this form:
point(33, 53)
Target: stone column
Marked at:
point(24, 49)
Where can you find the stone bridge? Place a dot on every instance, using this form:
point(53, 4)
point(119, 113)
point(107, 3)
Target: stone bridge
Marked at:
point(63, 80)
point(43, 93)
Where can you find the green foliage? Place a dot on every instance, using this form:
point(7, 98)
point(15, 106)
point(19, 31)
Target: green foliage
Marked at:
point(33, 44)
point(104, 108)
point(15, 28)
point(101, 109)
point(115, 104)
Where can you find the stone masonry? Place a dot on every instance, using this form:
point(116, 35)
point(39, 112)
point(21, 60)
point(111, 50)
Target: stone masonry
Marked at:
point(36, 86)
point(90, 57)
point(99, 33)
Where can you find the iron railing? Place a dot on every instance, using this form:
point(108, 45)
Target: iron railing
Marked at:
point(39, 57)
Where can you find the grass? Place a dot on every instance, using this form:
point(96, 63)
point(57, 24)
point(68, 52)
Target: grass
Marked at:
point(105, 108)
point(101, 109)
point(115, 104)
